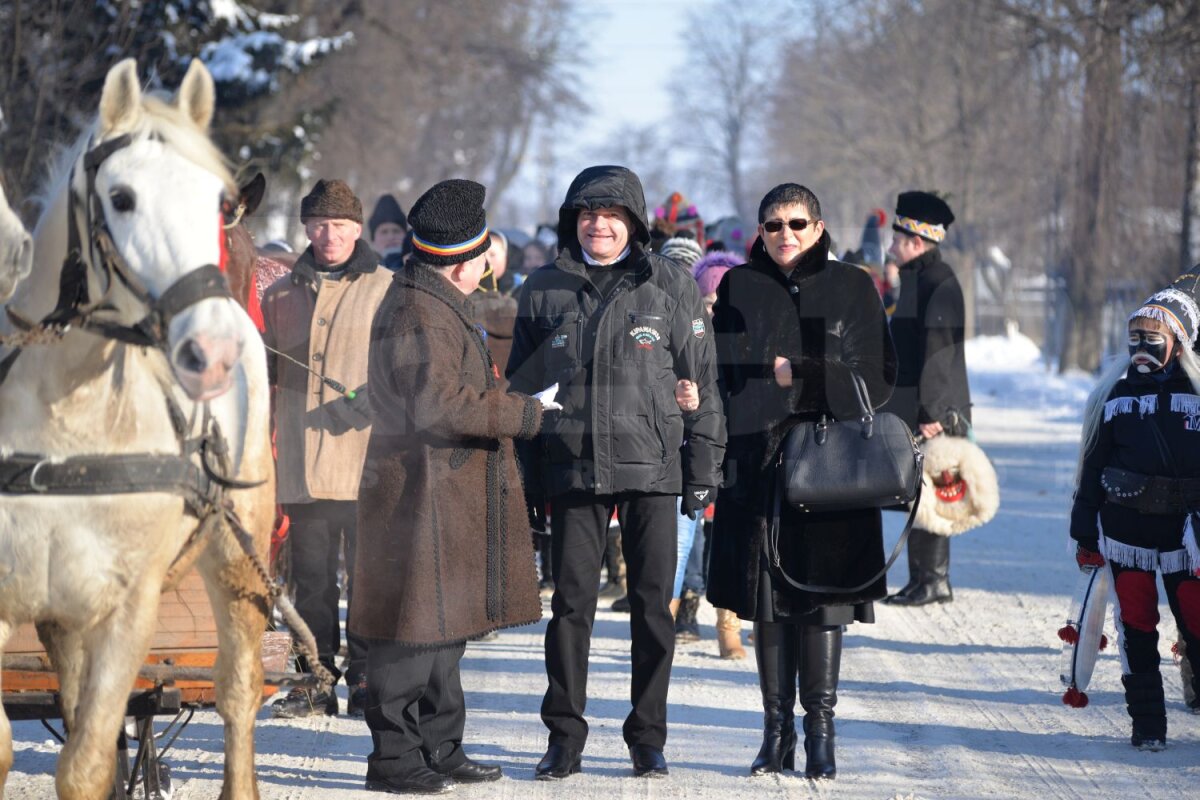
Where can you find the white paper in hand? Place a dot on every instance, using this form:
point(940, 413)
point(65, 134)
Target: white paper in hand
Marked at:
point(546, 398)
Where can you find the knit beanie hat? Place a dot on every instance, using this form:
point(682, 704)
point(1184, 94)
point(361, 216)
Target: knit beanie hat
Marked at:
point(332, 199)
point(677, 214)
point(1177, 310)
point(872, 242)
point(387, 209)
point(922, 214)
point(448, 222)
point(709, 270)
point(683, 249)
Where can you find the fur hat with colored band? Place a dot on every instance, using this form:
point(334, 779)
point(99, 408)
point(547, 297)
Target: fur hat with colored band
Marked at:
point(448, 222)
point(332, 199)
point(961, 490)
point(922, 214)
point(1177, 310)
point(387, 209)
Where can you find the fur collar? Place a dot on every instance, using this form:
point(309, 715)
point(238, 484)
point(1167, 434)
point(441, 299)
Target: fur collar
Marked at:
point(811, 261)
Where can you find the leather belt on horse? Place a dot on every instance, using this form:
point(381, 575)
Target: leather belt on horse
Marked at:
point(1151, 494)
point(133, 473)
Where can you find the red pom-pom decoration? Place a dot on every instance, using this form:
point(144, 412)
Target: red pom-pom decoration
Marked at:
point(1074, 698)
point(1068, 634)
point(1103, 641)
point(880, 217)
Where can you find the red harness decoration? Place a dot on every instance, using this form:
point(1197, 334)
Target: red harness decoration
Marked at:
point(223, 259)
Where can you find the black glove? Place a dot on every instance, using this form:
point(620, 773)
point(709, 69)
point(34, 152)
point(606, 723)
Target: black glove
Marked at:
point(695, 500)
point(536, 505)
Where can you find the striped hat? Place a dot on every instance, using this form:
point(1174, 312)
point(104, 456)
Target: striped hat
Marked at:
point(1175, 309)
point(448, 222)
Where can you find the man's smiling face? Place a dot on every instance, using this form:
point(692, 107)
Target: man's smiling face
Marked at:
point(603, 232)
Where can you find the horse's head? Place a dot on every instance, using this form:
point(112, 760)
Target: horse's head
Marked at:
point(16, 250)
point(152, 183)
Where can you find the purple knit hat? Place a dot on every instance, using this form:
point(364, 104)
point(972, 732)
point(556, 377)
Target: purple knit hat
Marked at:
point(709, 270)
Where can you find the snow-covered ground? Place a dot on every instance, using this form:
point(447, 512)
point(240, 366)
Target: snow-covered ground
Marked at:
point(956, 701)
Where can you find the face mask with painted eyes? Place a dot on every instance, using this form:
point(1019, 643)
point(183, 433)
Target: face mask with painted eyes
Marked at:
point(1149, 351)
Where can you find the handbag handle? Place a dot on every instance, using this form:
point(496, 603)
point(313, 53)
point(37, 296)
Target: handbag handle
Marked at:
point(775, 561)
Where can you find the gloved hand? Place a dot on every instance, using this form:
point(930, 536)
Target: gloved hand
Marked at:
point(546, 398)
point(537, 515)
point(1086, 557)
point(695, 500)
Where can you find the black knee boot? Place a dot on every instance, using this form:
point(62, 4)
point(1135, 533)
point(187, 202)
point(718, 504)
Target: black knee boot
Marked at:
point(775, 650)
point(929, 566)
point(820, 660)
point(1147, 709)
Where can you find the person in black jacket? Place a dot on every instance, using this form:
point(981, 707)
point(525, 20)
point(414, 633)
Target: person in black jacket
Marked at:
point(931, 393)
point(1138, 496)
point(614, 328)
point(792, 329)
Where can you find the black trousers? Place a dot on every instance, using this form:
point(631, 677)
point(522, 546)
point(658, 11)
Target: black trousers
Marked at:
point(579, 529)
point(316, 535)
point(416, 710)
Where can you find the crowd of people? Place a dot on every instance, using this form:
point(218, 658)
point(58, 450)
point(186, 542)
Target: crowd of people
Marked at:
point(622, 391)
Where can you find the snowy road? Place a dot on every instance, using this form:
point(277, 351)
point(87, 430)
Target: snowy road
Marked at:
point(955, 701)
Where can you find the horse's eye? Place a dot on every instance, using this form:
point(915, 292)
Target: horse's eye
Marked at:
point(123, 199)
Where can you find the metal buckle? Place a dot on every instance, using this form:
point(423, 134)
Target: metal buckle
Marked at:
point(33, 484)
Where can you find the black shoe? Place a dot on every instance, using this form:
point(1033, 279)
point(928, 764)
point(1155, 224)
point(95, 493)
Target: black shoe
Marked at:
point(419, 780)
point(471, 772)
point(560, 761)
point(621, 604)
point(356, 706)
point(611, 590)
point(923, 595)
point(302, 702)
point(648, 762)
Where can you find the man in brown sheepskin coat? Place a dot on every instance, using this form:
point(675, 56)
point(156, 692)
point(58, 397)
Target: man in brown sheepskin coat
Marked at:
point(442, 520)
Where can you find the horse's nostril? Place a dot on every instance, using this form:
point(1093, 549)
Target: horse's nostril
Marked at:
point(190, 357)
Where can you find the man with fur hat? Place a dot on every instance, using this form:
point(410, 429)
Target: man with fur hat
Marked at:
point(931, 392)
point(444, 518)
point(318, 316)
point(613, 327)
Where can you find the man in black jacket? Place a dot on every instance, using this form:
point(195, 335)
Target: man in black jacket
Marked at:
point(614, 327)
point(931, 392)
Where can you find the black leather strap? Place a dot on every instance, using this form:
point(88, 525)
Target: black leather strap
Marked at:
point(23, 473)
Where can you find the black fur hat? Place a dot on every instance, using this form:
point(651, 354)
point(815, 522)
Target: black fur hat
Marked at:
point(922, 214)
point(387, 209)
point(448, 222)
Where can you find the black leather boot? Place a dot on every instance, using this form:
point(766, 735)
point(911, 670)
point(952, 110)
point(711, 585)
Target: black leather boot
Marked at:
point(820, 659)
point(929, 564)
point(1147, 708)
point(775, 647)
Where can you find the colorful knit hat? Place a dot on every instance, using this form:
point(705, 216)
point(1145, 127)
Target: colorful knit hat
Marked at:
point(709, 270)
point(872, 242)
point(677, 214)
point(684, 249)
point(1177, 310)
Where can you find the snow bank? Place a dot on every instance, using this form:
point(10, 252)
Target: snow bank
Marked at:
point(1011, 371)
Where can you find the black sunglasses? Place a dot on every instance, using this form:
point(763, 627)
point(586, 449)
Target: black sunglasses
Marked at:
point(776, 225)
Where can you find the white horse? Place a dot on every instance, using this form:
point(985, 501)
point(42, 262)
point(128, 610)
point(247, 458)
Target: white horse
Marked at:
point(142, 358)
point(16, 250)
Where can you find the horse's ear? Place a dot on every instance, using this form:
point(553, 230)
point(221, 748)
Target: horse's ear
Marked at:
point(251, 194)
point(121, 99)
point(197, 97)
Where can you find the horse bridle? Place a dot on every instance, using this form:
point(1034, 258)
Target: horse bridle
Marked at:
point(74, 307)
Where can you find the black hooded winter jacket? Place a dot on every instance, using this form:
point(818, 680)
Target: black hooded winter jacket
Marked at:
point(616, 359)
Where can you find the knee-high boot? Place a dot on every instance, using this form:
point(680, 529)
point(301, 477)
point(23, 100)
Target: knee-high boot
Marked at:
point(820, 661)
point(1147, 708)
point(929, 566)
point(775, 650)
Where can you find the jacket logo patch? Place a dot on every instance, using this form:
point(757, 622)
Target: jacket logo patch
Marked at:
point(559, 340)
point(701, 495)
point(645, 336)
point(698, 328)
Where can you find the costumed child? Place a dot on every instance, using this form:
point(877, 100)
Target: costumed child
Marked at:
point(1137, 501)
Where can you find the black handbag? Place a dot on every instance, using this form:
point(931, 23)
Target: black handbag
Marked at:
point(835, 465)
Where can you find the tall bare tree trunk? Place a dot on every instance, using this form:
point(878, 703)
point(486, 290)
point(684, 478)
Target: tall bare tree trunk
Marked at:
point(1090, 261)
point(1191, 179)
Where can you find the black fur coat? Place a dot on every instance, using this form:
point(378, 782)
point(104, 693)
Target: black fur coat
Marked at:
point(827, 319)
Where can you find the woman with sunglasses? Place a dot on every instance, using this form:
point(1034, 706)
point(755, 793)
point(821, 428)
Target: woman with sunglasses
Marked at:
point(792, 327)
